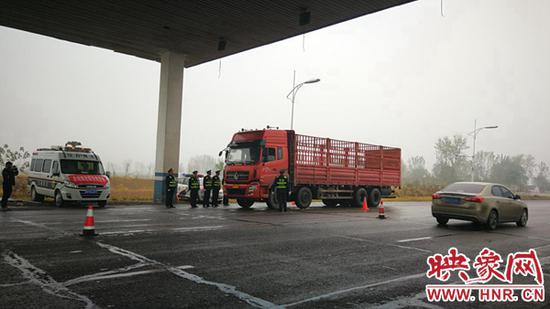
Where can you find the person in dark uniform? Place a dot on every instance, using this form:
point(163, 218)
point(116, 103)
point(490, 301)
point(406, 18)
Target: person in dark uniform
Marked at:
point(194, 186)
point(281, 186)
point(216, 186)
point(207, 184)
point(8, 174)
point(171, 188)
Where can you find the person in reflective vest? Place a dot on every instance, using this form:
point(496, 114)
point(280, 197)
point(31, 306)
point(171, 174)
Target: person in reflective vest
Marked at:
point(171, 188)
point(281, 186)
point(194, 186)
point(216, 186)
point(207, 184)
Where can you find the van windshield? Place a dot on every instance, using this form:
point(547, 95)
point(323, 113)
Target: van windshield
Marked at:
point(243, 153)
point(81, 167)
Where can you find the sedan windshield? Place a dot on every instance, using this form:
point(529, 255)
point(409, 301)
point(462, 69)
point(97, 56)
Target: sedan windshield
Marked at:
point(243, 153)
point(81, 167)
point(473, 188)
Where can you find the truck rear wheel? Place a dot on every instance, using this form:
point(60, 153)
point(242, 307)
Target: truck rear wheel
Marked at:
point(303, 197)
point(330, 203)
point(245, 202)
point(374, 197)
point(358, 196)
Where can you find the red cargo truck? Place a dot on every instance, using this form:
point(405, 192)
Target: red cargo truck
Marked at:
point(338, 172)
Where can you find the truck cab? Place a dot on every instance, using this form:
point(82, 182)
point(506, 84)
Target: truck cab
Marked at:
point(253, 160)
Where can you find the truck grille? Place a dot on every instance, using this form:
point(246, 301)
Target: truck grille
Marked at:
point(235, 191)
point(232, 177)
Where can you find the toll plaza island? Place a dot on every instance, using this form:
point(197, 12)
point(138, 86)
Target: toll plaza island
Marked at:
point(344, 239)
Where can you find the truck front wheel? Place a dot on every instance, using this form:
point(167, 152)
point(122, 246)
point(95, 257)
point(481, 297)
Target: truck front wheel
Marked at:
point(245, 202)
point(303, 197)
point(272, 201)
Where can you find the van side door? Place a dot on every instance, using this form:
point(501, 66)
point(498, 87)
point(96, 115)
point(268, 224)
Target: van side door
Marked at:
point(49, 182)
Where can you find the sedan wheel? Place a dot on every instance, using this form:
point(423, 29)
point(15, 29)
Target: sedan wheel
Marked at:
point(492, 220)
point(522, 222)
point(442, 220)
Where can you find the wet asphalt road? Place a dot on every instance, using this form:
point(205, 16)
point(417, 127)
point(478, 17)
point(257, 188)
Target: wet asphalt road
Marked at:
point(151, 257)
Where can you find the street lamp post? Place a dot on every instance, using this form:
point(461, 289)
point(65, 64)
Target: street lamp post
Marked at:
point(293, 93)
point(475, 132)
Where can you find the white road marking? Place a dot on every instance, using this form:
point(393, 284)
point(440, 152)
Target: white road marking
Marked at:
point(229, 289)
point(384, 243)
point(76, 251)
point(103, 273)
point(414, 239)
point(178, 229)
point(197, 228)
point(362, 287)
point(40, 225)
point(7, 285)
point(43, 280)
point(123, 220)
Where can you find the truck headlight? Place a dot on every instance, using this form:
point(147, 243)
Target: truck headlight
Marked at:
point(69, 184)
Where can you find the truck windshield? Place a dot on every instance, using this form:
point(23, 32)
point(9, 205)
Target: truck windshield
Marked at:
point(81, 167)
point(243, 153)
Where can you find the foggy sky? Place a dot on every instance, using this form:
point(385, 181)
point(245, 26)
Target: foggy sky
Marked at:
point(401, 77)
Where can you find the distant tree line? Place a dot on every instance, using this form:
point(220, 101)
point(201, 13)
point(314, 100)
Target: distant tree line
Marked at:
point(453, 164)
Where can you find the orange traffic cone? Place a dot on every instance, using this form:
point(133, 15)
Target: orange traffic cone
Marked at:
point(365, 206)
point(89, 226)
point(381, 214)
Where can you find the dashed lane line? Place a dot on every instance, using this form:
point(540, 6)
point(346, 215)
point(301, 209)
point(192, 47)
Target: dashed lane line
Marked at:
point(414, 239)
point(348, 290)
point(384, 244)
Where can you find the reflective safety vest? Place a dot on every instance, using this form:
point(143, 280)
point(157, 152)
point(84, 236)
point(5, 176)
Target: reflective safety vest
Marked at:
point(281, 183)
point(216, 183)
point(207, 181)
point(194, 183)
point(172, 183)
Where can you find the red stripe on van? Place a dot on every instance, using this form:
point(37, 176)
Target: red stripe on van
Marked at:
point(79, 179)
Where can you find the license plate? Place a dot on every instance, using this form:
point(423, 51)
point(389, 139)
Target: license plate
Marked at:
point(452, 200)
point(90, 192)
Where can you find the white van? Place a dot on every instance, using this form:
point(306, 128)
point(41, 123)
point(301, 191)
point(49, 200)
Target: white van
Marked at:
point(68, 174)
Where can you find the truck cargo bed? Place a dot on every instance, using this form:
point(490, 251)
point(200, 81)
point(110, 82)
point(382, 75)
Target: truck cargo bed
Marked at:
point(324, 161)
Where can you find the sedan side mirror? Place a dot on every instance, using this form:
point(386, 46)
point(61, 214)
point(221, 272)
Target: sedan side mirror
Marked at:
point(517, 197)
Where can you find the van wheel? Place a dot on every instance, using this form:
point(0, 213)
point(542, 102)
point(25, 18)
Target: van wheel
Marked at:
point(522, 222)
point(35, 196)
point(492, 220)
point(59, 199)
point(374, 197)
point(272, 201)
point(358, 197)
point(245, 202)
point(304, 197)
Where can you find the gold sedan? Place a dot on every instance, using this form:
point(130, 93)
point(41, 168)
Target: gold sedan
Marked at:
point(480, 202)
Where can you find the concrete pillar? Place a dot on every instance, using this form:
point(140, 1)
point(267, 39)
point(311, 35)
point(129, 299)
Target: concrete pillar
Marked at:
point(169, 120)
